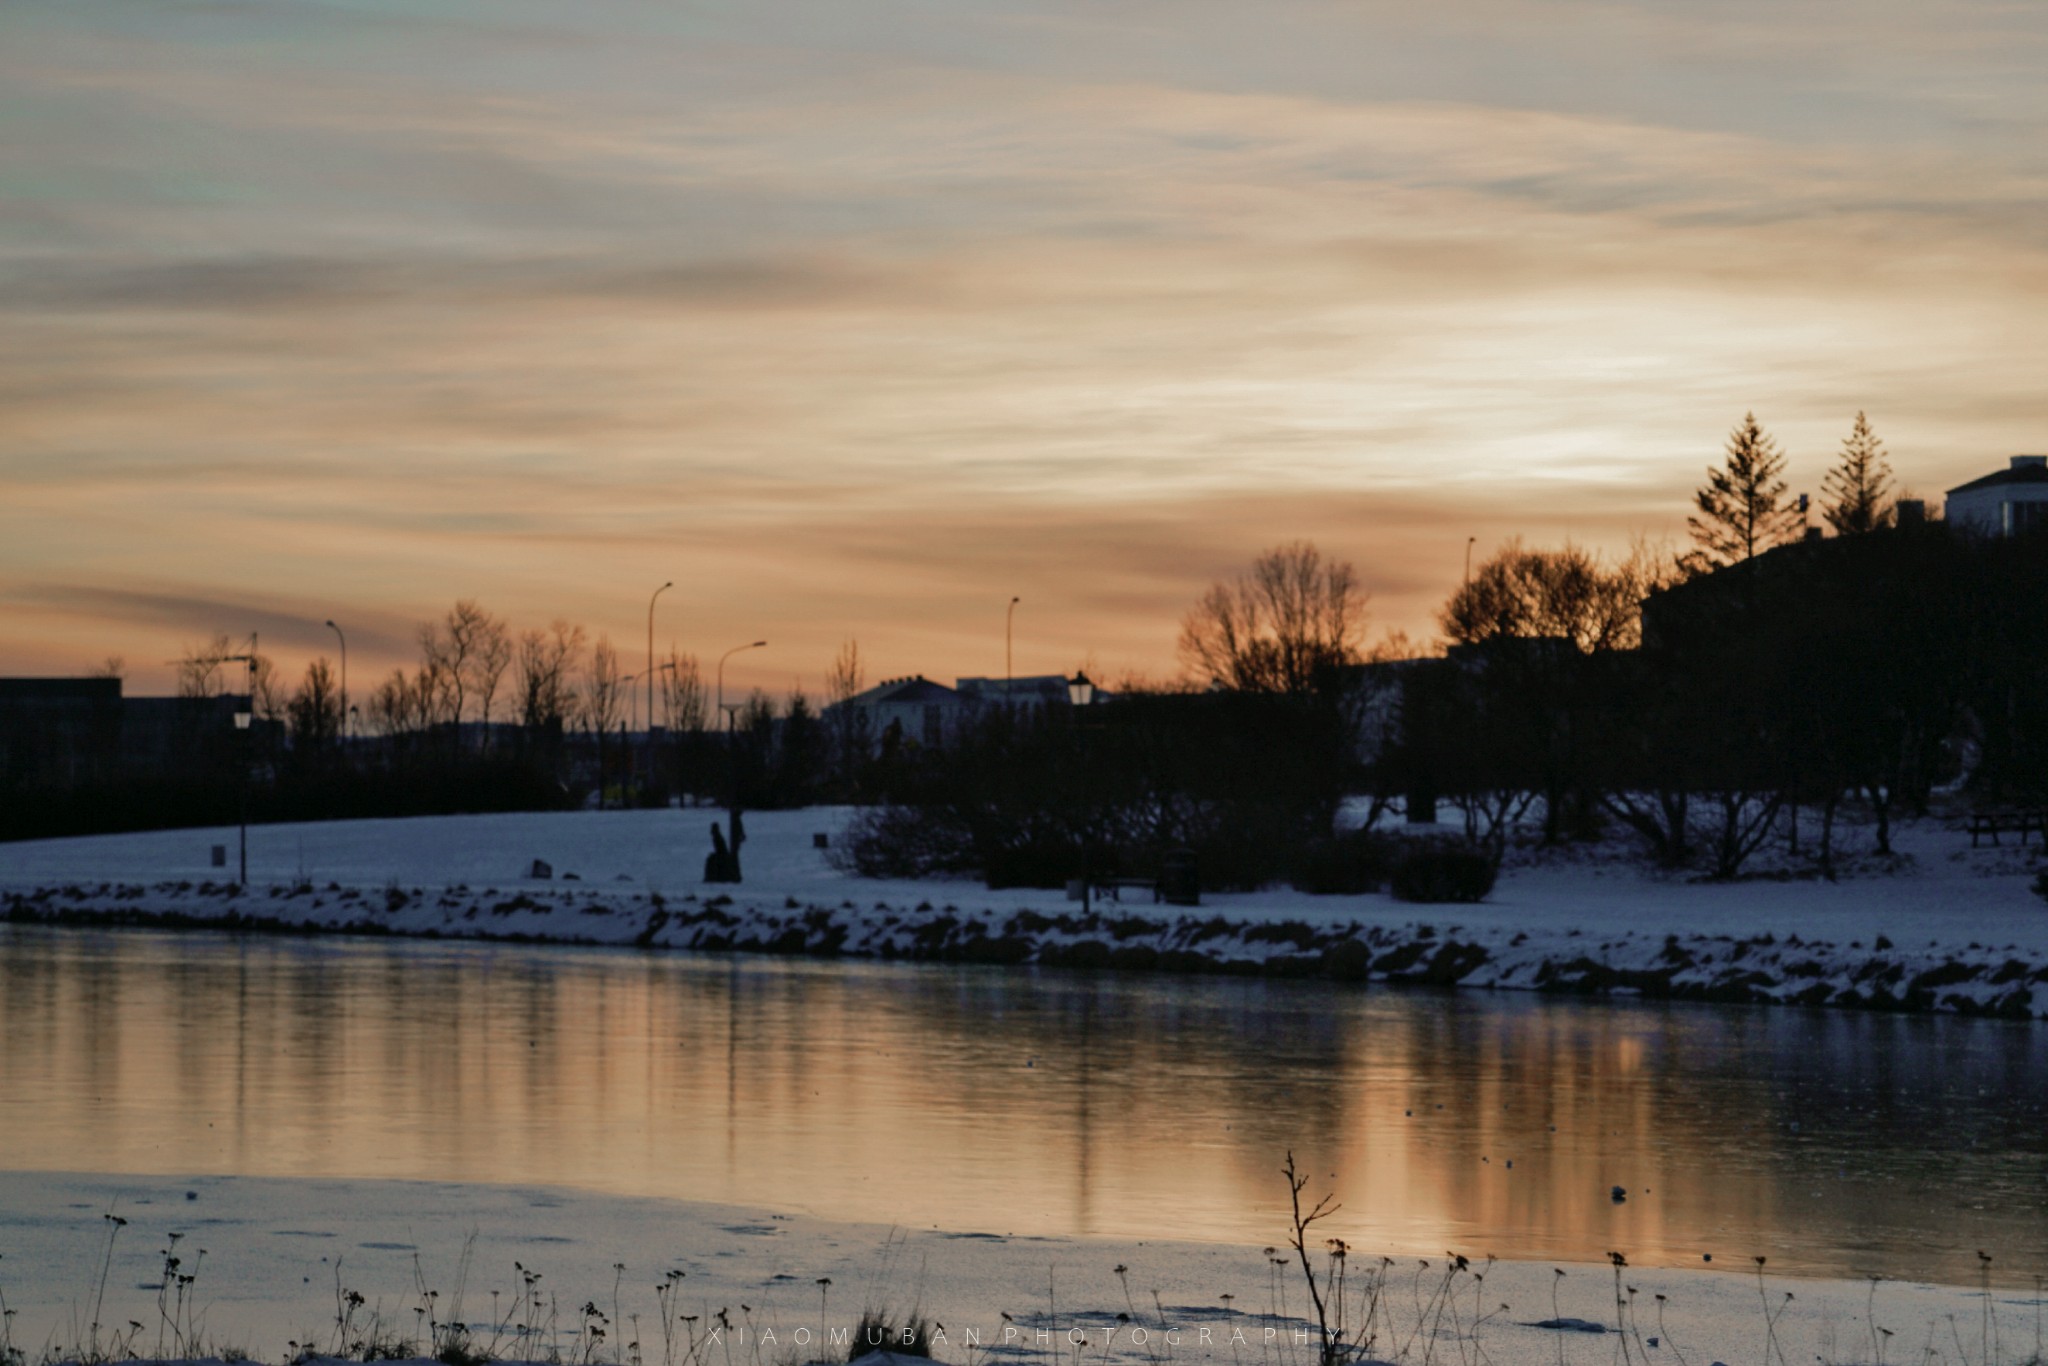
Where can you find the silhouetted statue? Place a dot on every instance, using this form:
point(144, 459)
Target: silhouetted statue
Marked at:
point(722, 864)
point(719, 864)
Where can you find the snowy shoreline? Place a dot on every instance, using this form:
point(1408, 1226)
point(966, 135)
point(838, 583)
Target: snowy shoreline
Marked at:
point(281, 1251)
point(1956, 931)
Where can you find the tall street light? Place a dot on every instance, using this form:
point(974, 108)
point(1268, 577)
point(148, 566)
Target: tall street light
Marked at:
point(242, 718)
point(244, 714)
point(1080, 696)
point(1009, 670)
point(721, 676)
point(650, 656)
point(344, 682)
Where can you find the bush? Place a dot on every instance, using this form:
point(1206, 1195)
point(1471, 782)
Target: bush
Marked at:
point(1349, 864)
point(901, 842)
point(877, 1331)
point(1443, 874)
point(2041, 884)
point(1041, 866)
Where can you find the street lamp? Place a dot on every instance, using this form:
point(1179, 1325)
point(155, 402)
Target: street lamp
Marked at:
point(721, 676)
point(243, 716)
point(344, 682)
point(1009, 670)
point(1081, 693)
point(650, 662)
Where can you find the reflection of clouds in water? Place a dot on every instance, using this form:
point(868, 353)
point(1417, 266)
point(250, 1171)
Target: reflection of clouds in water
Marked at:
point(1155, 1109)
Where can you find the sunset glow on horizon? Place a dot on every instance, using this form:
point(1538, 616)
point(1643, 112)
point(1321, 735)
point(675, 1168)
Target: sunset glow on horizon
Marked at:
point(855, 320)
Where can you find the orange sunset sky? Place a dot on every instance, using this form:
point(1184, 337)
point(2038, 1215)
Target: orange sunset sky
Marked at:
point(857, 317)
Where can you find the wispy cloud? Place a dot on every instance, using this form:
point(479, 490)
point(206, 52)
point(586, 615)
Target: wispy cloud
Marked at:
point(860, 317)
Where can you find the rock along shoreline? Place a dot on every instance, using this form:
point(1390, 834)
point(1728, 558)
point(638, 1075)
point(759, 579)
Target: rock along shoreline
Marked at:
point(1978, 979)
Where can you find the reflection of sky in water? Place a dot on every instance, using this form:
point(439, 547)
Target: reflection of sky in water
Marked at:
point(1021, 1102)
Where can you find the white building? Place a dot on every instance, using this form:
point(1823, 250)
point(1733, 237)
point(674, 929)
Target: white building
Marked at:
point(915, 708)
point(1030, 694)
point(2005, 503)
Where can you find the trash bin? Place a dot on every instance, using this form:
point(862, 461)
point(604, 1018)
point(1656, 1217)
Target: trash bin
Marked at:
point(1179, 882)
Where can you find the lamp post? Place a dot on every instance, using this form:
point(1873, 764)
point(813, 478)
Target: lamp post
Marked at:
point(1468, 557)
point(1009, 670)
point(650, 664)
point(721, 677)
point(344, 683)
point(243, 716)
point(1081, 695)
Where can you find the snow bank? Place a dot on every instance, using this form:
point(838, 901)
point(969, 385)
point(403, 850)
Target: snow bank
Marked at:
point(1943, 927)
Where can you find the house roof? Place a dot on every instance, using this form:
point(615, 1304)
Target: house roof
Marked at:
point(2017, 474)
point(913, 690)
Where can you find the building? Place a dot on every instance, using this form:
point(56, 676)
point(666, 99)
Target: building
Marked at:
point(914, 709)
point(929, 714)
point(2003, 503)
point(1032, 694)
point(59, 732)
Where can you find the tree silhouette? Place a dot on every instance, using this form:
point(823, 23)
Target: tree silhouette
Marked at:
point(1858, 488)
point(1741, 506)
point(1281, 628)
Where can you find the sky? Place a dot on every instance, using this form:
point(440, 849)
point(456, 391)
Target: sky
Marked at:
point(856, 318)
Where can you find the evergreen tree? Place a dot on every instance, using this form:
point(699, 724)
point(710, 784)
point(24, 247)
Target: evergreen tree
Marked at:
point(1858, 489)
point(1742, 508)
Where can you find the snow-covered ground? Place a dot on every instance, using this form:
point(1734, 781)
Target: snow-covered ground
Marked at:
point(1941, 927)
point(280, 1257)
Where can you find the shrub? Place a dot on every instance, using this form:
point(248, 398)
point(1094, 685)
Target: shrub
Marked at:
point(1350, 864)
point(1440, 873)
point(2041, 884)
point(1040, 865)
point(878, 1332)
point(901, 842)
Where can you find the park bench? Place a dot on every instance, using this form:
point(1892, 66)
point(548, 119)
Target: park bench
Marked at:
point(1174, 882)
point(1993, 820)
point(1114, 887)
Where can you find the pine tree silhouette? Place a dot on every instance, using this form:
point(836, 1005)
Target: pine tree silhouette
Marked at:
point(1742, 511)
point(1858, 488)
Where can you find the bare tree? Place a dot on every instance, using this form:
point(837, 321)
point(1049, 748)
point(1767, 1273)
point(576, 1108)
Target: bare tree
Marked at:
point(200, 668)
point(1282, 627)
point(684, 701)
point(315, 709)
point(848, 677)
point(1858, 488)
point(267, 697)
point(849, 724)
point(548, 661)
point(403, 704)
point(1566, 595)
point(1741, 508)
point(450, 647)
point(489, 659)
point(113, 666)
point(602, 692)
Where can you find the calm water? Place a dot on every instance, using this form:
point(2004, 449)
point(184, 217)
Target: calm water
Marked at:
point(1027, 1102)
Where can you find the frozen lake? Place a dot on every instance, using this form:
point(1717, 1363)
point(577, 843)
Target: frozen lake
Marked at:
point(1038, 1102)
